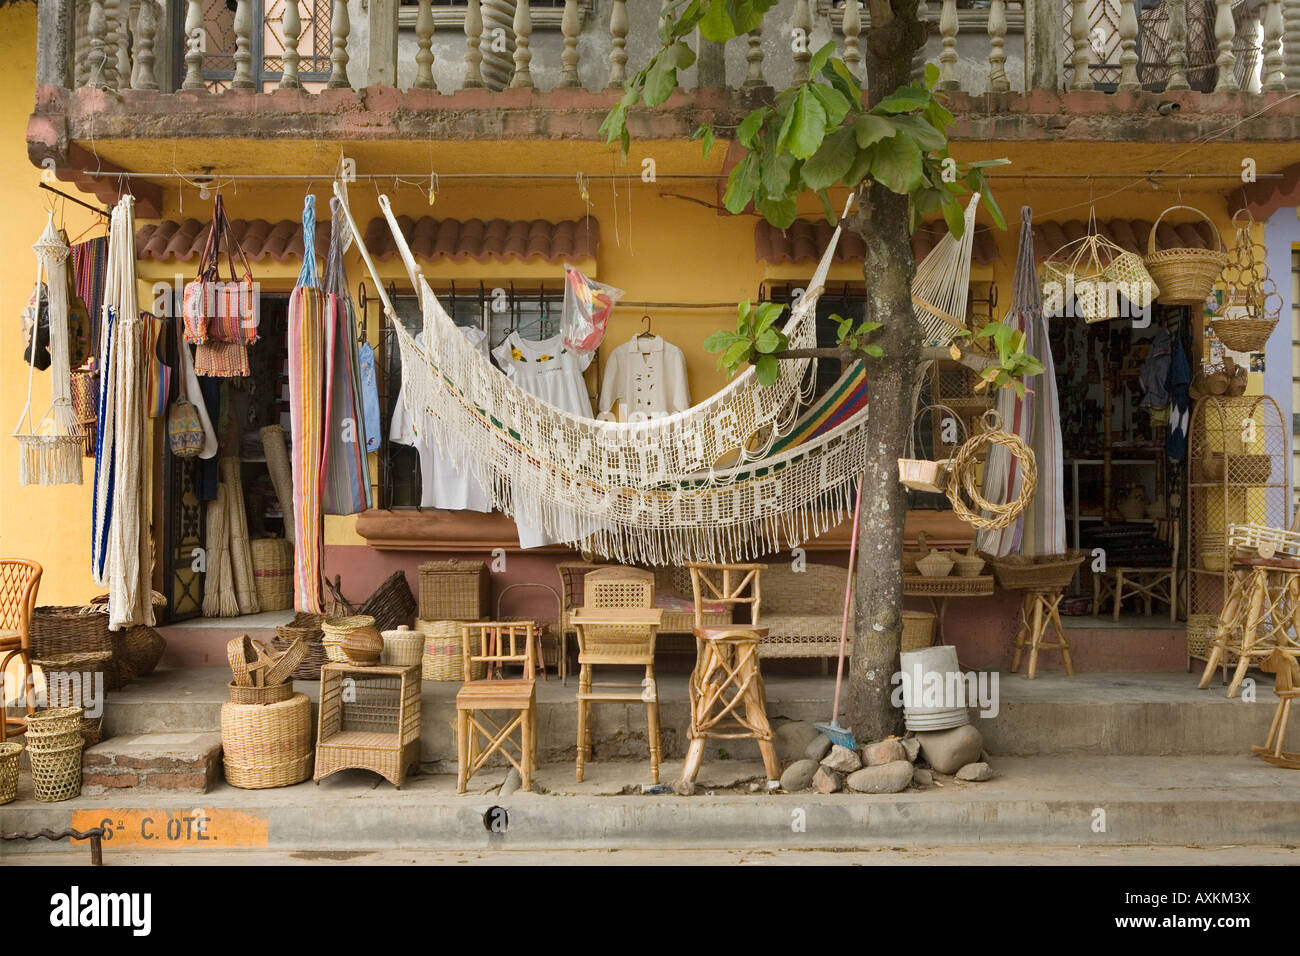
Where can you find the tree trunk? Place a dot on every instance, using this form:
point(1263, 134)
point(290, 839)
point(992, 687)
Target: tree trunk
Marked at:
point(888, 268)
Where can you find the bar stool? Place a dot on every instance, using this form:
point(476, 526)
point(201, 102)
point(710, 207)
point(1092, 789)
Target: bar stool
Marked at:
point(1040, 608)
point(1258, 616)
point(728, 699)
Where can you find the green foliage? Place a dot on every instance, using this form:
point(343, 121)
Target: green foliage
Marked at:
point(1013, 364)
point(856, 338)
point(757, 340)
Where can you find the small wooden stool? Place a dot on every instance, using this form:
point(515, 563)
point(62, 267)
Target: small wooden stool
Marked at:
point(1041, 607)
point(1258, 616)
point(1283, 664)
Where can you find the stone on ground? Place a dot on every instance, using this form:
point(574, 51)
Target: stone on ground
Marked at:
point(975, 772)
point(511, 783)
point(798, 776)
point(792, 739)
point(842, 760)
point(887, 778)
point(827, 781)
point(819, 748)
point(912, 746)
point(883, 752)
point(947, 751)
point(159, 761)
point(922, 777)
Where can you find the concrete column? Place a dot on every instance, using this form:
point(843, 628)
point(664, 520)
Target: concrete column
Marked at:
point(54, 42)
point(710, 66)
point(382, 43)
point(1042, 46)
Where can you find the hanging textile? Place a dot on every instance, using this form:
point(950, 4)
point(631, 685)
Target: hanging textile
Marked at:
point(49, 451)
point(89, 264)
point(120, 540)
point(1036, 418)
point(1179, 385)
point(306, 400)
point(345, 475)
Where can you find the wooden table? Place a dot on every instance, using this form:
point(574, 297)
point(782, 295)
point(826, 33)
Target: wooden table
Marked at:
point(941, 590)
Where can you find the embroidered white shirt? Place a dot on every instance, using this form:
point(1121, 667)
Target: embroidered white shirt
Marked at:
point(646, 377)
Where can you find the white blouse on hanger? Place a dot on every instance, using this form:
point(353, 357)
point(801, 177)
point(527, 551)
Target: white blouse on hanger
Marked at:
point(648, 377)
point(549, 370)
point(442, 484)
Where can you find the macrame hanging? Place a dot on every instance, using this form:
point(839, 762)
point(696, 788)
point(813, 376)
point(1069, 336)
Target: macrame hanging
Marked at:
point(49, 451)
point(941, 286)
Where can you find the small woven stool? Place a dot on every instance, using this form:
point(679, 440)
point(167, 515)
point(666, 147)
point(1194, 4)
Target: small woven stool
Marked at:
point(1041, 607)
point(1283, 664)
point(1258, 616)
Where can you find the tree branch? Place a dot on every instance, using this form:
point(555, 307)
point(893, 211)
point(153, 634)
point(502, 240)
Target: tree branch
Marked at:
point(971, 360)
point(842, 355)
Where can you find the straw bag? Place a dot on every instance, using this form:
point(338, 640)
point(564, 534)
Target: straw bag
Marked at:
point(185, 435)
point(1186, 276)
point(220, 311)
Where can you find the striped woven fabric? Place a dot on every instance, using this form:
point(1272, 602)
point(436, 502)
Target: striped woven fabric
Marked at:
point(306, 415)
point(843, 400)
point(221, 359)
point(89, 267)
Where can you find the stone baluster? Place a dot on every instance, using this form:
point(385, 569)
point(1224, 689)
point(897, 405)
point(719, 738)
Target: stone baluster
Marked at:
point(852, 28)
point(108, 70)
point(341, 29)
point(146, 25)
point(96, 30)
point(523, 78)
point(1177, 46)
point(194, 33)
point(498, 65)
point(948, 53)
point(570, 24)
point(1082, 41)
point(1128, 58)
point(618, 38)
point(125, 68)
point(243, 79)
point(1274, 76)
point(1225, 31)
point(118, 57)
point(1291, 43)
point(802, 26)
point(754, 58)
point(473, 40)
point(81, 45)
point(291, 31)
point(998, 82)
point(424, 42)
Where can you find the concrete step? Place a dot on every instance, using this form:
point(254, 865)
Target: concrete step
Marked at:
point(1090, 713)
point(201, 641)
point(186, 761)
point(1042, 801)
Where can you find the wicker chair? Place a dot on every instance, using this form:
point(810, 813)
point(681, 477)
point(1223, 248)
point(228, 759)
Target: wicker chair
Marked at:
point(616, 625)
point(803, 611)
point(498, 643)
point(19, 582)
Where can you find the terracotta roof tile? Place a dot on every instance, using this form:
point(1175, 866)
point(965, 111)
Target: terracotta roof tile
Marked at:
point(430, 239)
point(1129, 234)
point(805, 241)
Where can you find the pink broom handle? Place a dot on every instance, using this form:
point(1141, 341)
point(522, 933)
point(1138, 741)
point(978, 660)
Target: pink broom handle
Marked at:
point(848, 598)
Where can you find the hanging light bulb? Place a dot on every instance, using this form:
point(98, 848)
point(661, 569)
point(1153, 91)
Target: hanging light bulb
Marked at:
point(203, 192)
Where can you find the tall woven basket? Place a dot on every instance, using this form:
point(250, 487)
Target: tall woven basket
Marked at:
point(443, 652)
point(267, 745)
point(1185, 275)
point(454, 591)
point(54, 746)
point(392, 605)
point(9, 753)
point(273, 573)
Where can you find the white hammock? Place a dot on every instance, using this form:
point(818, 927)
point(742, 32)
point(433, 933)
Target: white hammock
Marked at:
point(941, 285)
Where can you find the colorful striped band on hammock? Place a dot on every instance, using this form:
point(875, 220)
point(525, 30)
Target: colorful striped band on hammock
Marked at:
point(306, 417)
point(843, 400)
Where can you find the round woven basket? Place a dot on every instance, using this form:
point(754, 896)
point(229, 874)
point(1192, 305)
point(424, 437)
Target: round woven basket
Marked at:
point(56, 774)
point(336, 630)
point(1244, 334)
point(273, 694)
point(1200, 637)
point(144, 649)
point(9, 753)
point(307, 626)
point(403, 647)
point(55, 720)
point(1185, 276)
point(442, 652)
point(267, 745)
point(53, 741)
point(273, 573)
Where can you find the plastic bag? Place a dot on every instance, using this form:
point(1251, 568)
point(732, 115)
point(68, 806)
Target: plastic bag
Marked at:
point(587, 307)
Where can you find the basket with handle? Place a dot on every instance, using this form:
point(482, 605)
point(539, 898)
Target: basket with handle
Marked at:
point(1092, 271)
point(921, 474)
point(1186, 276)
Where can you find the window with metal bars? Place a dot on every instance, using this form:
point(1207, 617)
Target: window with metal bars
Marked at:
point(497, 309)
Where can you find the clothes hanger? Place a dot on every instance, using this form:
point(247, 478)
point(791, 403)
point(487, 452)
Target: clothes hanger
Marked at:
point(646, 331)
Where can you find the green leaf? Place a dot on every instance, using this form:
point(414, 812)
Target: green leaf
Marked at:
point(845, 81)
point(861, 167)
point(779, 212)
point(990, 203)
point(742, 182)
point(827, 208)
point(820, 58)
point(716, 24)
point(747, 14)
point(735, 354)
point(905, 99)
point(937, 115)
point(768, 370)
point(988, 163)
point(775, 171)
point(750, 126)
point(871, 129)
point(875, 351)
point(931, 75)
point(705, 132)
point(805, 126)
point(829, 165)
point(897, 164)
point(955, 216)
point(682, 55)
point(920, 130)
point(742, 315)
point(833, 101)
point(719, 340)
point(768, 341)
point(660, 80)
point(768, 313)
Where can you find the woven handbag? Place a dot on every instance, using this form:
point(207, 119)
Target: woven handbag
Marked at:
point(220, 311)
point(185, 435)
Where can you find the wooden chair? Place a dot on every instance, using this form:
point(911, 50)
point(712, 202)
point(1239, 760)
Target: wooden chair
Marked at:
point(1040, 609)
point(518, 696)
point(1151, 584)
point(572, 574)
point(19, 581)
point(617, 625)
point(728, 700)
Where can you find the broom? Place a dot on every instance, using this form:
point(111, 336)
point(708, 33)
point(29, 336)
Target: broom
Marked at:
point(837, 734)
point(241, 555)
point(218, 595)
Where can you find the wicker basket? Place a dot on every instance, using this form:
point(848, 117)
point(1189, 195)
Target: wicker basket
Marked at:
point(392, 605)
point(262, 696)
point(144, 649)
point(267, 745)
point(454, 591)
point(919, 474)
point(56, 773)
point(1201, 629)
point(273, 572)
point(1018, 572)
point(1241, 469)
point(306, 626)
point(967, 565)
point(1185, 276)
point(9, 753)
point(336, 630)
point(918, 630)
point(1244, 334)
point(54, 721)
point(403, 647)
point(442, 652)
point(934, 565)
